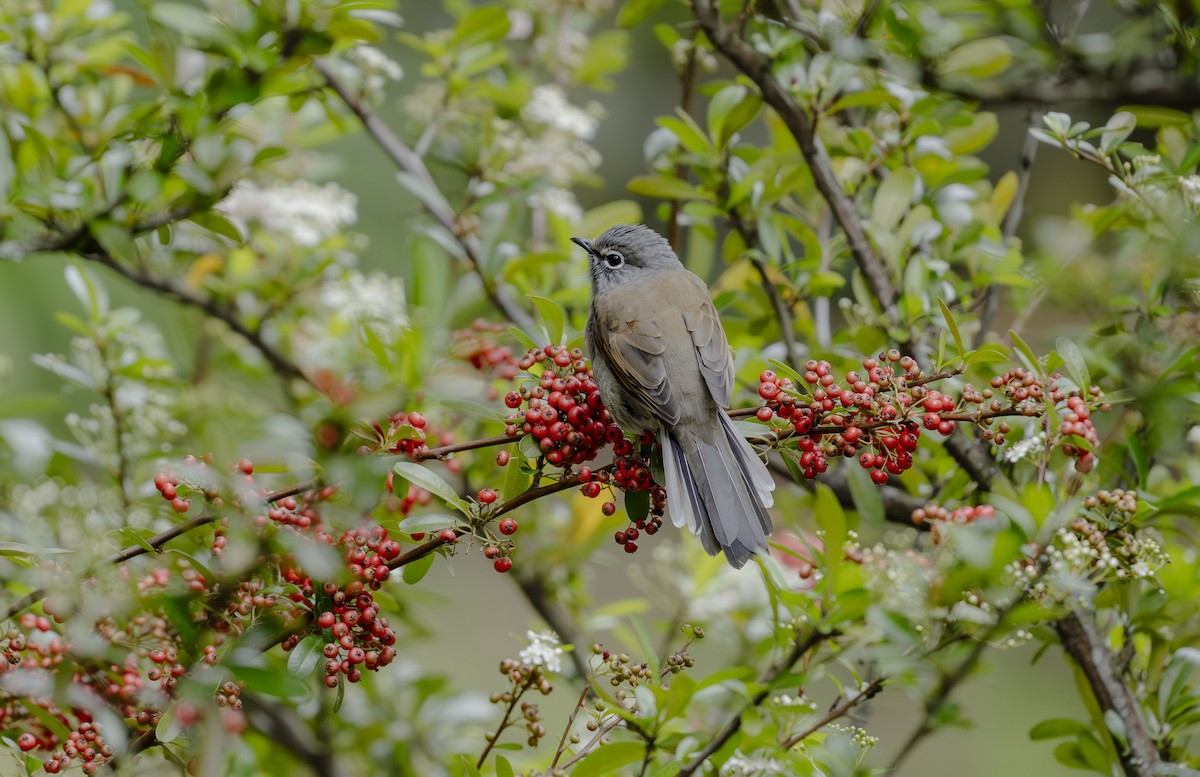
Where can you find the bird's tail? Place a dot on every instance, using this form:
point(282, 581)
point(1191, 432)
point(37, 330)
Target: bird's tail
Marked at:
point(718, 488)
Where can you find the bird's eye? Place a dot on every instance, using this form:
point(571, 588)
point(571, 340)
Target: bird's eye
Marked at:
point(614, 259)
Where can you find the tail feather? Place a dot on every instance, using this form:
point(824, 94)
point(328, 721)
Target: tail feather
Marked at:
point(720, 490)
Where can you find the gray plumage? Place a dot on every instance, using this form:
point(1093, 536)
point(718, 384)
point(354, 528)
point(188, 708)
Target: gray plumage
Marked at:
point(662, 363)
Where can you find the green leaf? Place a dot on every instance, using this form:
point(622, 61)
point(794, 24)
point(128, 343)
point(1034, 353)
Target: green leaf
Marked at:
point(832, 520)
point(946, 314)
point(272, 682)
point(1075, 364)
point(609, 759)
point(1055, 728)
point(485, 24)
point(893, 198)
point(634, 12)
point(522, 337)
point(665, 188)
point(1025, 352)
point(427, 522)
point(729, 110)
point(977, 59)
point(503, 767)
point(637, 505)
point(1156, 115)
point(416, 570)
point(609, 214)
point(553, 318)
point(304, 657)
point(865, 495)
point(1119, 127)
point(341, 696)
point(420, 476)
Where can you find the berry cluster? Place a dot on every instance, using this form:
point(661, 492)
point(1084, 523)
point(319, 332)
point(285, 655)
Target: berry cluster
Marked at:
point(408, 434)
point(561, 407)
point(878, 414)
point(522, 676)
point(939, 517)
point(357, 637)
point(480, 347)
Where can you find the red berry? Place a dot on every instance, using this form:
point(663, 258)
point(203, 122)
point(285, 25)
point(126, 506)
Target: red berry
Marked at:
point(27, 741)
point(608, 508)
point(502, 458)
point(448, 536)
point(764, 414)
point(180, 505)
point(585, 474)
point(487, 496)
point(246, 466)
point(878, 476)
point(631, 547)
point(168, 491)
point(491, 552)
point(326, 620)
point(508, 526)
point(502, 565)
point(160, 480)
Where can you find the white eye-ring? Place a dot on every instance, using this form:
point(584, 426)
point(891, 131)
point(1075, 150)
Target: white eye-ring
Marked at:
point(613, 259)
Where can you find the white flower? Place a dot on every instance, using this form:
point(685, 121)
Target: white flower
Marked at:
point(376, 67)
point(1191, 189)
point(304, 211)
point(1030, 446)
point(740, 765)
point(932, 145)
point(543, 651)
point(560, 202)
point(549, 106)
point(376, 301)
point(904, 94)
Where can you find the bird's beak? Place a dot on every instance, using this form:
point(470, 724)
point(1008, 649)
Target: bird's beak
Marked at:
point(585, 244)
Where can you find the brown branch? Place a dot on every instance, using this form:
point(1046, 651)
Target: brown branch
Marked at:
point(798, 651)
point(411, 163)
point(802, 128)
point(445, 451)
point(1087, 648)
point(281, 364)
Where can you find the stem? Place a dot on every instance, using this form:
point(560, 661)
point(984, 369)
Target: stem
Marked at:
point(868, 692)
point(802, 127)
point(562, 742)
point(799, 650)
point(505, 722)
point(155, 544)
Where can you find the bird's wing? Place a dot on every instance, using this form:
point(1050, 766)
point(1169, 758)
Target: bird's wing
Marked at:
point(712, 350)
point(633, 349)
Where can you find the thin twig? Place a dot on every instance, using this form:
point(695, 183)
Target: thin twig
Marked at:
point(868, 692)
point(798, 651)
point(742, 56)
point(411, 163)
point(154, 544)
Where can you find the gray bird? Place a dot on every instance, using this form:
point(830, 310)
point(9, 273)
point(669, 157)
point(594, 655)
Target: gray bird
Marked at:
point(662, 363)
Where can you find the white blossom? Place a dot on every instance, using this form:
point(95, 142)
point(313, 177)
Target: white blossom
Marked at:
point(544, 650)
point(1030, 446)
point(376, 67)
point(741, 765)
point(306, 212)
point(549, 106)
point(376, 301)
point(1191, 189)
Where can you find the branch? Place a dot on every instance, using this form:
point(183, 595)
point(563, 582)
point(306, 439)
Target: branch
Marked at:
point(1088, 650)
point(868, 692)
point(155, 544)
point(801, 126)
point(281, 364)
point(799, 650)
point(408, 161)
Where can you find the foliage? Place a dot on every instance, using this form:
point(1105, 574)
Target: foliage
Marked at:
point(211, 555)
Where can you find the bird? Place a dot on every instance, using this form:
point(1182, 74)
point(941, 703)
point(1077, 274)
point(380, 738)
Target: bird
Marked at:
point(662, 363)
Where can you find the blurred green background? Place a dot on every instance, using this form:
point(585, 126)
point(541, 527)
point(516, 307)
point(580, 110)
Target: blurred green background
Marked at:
point(477, 630)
